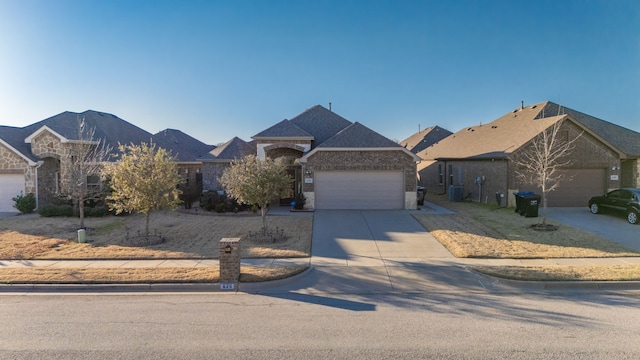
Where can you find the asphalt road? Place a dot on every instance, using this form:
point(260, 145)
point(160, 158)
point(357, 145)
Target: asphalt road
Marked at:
point(452, 324)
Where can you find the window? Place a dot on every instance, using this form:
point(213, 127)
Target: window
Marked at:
point(93, 183)
point(450, 174)
point(440, 174)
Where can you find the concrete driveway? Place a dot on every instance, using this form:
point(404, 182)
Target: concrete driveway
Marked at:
point(370, 251)
point(609, 226)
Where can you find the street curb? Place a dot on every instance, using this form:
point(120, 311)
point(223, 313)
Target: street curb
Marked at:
point(249, 288)
point(569, 285)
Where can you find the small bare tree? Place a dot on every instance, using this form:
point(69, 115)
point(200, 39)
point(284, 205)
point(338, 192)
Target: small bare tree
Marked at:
point(82, 177)
point(541, 161)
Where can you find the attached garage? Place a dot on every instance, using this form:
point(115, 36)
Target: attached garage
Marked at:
point(576, 192)
point(10, 186)
point(359, 189)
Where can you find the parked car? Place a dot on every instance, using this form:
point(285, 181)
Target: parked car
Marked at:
point(625, 201)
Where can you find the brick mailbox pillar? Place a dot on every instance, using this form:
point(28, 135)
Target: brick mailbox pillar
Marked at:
point(229, 263)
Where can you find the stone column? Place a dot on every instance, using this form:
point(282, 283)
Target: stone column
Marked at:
point(229, 263)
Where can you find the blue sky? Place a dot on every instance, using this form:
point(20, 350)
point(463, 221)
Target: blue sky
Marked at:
point(218, 69)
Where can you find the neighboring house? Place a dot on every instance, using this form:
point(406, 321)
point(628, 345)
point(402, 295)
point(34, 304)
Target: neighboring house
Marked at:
point(475, 162)
point(217, 160)
point(34, 159)
point(424, 138)
point(338, 164)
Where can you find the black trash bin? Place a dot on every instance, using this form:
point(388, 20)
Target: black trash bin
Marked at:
point(520, 200)
point(527, 203)
point(420, 195)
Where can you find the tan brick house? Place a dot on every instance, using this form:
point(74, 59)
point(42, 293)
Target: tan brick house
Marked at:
point(338, 164)
point(475, 162)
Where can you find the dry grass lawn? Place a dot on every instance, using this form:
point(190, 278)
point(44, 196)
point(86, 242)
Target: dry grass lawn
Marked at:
point(186, 236)
point(486, 231)
point(564, 273)
point(141, 275)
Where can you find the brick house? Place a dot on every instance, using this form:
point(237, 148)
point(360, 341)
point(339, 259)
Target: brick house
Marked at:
point(338, 164)
point(34, 159)
point(214, 162)
point(475, 161)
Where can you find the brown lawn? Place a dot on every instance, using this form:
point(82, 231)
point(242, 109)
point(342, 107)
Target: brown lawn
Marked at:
point(186, 236)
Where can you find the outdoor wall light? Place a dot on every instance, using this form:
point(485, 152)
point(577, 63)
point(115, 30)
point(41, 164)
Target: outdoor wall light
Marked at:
point(308, 173)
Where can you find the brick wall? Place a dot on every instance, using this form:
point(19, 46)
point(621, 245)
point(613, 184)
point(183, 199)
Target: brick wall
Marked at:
point(211, 172)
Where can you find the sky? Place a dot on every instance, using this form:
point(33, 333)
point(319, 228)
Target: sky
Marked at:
point(219, 69)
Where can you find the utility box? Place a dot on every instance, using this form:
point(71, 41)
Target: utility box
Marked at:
point(229, 263)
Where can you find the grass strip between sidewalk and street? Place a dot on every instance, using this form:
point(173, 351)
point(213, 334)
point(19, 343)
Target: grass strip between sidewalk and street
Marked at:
point(564, 273)
point(141, 275)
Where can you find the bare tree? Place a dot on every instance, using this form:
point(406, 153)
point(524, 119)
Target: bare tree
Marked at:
point(541, 161)
point(81, 180)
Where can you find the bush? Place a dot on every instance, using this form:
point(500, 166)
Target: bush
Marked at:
point(56, 210)
point(25, 203)
point(212, 201)
point(221, 207)
point(98, 211)
point(300, 200)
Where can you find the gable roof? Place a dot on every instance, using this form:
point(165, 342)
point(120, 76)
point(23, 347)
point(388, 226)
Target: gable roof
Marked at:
point(425, 138)
point(235, 148)
point(320, 122)
point(284, 129)
point(109, 128)
point(496, 139)
point(184, 147)
point(506, 134)
point(625, 140)
point(357, 135)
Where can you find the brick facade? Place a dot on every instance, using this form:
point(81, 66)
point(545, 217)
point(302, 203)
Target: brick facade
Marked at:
point(211, 173)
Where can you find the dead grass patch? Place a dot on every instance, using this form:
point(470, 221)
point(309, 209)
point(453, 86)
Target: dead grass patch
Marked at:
point(141, 275)
point(564, 273)
point(485, 231)
point(186, 236)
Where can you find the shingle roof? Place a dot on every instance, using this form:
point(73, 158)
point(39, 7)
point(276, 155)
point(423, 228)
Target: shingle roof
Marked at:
point(424, 138)
point(283, 129)
point(626, 140)
point(109, 128)
point(496, 139)
point(235, 148)
point(320, 122)
point(183, 146)
point(506, 134)
point(357, 135)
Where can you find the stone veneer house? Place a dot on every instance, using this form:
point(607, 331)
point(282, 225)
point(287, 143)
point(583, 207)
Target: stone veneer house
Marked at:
point(338, 164)
point(33, 159)
point(475, 162)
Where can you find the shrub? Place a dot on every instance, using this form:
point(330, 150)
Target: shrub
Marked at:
point(300, 200)
point(25, 203)
point(221, 207)
point(56, 210)
point(98, 211)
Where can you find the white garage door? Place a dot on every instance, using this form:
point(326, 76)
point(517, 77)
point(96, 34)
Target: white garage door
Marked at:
point(10, 186)
point(359, 190)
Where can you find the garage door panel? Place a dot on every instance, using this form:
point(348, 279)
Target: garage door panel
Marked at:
point(576, 192)
point(10, 186)
point(359, 190)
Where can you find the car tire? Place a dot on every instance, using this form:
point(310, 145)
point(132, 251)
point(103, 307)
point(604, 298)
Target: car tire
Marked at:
point(632, 217)
point(595, 209)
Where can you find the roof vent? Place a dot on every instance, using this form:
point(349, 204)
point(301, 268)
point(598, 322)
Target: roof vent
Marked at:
point(534, 106)
point(494, 126)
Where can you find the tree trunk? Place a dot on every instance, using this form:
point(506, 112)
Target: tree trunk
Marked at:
point(263, 212)
point(146, 228)
point(81, 212)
